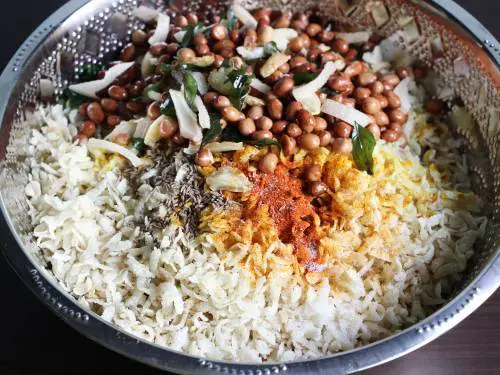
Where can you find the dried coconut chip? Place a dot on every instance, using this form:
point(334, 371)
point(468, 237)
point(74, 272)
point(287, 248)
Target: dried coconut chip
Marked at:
point(273, 63)
point(101, 144)
point(162, 28)
point(91, 88)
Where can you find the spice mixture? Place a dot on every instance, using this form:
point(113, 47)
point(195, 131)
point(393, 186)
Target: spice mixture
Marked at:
point(290, 189)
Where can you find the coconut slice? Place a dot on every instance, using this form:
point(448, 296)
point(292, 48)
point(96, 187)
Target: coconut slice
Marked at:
point(203, 116)
point(188, 122)
point(91, 88)
point(153, 135)
point(258, 85)
point(142, 127)
point(253, 100)
point(250, 54)
point(230, 179)
point(345, 113)
point(192, 149)
point(217, 79)
point(161, 31)
point(356, 37)
point(403, 91)
point(179, 35)
point(273, 63)
point(306, 94)
point(124, 127)
point(148, 64)
point(282, 36)
point(224, 146)
point(101, 144)
point(145, 14)
point(244, 16)
point(201, 82)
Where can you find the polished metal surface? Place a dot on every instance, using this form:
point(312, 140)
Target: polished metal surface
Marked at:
point(448, 39)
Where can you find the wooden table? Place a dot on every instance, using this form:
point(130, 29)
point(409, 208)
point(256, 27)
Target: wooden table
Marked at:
point(37, 342)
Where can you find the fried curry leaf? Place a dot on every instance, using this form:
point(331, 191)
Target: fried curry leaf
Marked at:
point(156, 87)
point(265, 142)
point(240, 86)
point(215, 129)
point(231, 20)
point(167, 108)
point(90, 72)
point(232, 134)
point(190, 86)
point(189, 82)
point(329, 92)
point(270, 48)
point(138, 144)
point(191, 31)
point(72, 99)
point(303, 77)
point(169, 68)
point(363, 143)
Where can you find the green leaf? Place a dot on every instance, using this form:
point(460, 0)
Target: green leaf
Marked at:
point(270, 48)
point(167, 108)
point(232, 134)
point(231, 20)
point(190, 86)
point(215, 129)
point(329, 92)
point(265, 142)
point(138, 144)
point(240, 86)
point(191, 67)
point(191, 31)
point(90, 72)
point(167, 68)
point(363, 143)
point(72, 99)
point(157, 87)
point(303, 77)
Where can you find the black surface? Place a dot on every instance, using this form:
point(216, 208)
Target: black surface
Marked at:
point(36, 342)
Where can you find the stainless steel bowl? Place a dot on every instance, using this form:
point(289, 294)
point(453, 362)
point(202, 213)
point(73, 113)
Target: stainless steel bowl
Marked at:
point(448, 39)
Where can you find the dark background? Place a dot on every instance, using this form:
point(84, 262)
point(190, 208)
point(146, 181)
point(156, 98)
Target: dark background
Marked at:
point(36, 342)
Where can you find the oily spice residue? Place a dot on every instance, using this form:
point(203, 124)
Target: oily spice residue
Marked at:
point(290, 209)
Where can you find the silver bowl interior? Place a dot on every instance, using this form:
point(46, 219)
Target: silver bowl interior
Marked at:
point(439, 33)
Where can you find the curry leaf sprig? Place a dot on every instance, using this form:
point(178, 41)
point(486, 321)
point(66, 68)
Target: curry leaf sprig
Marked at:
point(230, 20)
point(270, 48)
point(240, 86)
point(191, 31)
point(215, 129)
point(302, 78)
point(232, 134)
point(363, 144)
point(138, 144)
point(90, 72)
point(190, 86)
point(167, 108)
point(188, 80)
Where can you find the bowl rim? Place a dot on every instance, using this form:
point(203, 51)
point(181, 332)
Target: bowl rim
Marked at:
point(89, 324)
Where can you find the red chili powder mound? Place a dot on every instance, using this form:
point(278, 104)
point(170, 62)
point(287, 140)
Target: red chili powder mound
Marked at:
point(290, 209)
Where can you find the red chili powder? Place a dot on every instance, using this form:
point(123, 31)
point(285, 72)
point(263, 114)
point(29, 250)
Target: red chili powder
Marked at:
point(290, 209)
